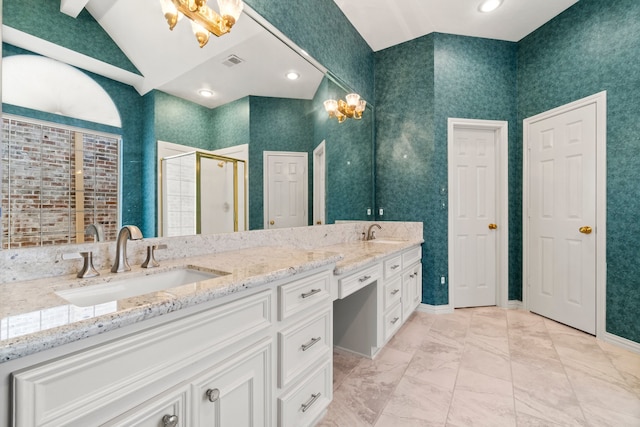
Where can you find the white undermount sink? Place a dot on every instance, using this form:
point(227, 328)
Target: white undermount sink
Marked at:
point(134, 286)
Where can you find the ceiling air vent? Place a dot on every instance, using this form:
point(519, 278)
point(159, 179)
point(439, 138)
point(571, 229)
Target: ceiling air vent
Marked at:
point(233, 60)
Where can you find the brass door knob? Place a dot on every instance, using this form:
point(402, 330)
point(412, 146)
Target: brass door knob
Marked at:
point(586, 229)
point(272, 222)
point(493, 226)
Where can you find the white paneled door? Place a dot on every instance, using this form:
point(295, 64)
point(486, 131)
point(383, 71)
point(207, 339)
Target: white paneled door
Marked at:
point(473, 206)
point(562, 217)
point(285, 189)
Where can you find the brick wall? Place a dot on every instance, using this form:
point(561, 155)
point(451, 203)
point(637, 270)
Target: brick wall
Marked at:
point(40, 202)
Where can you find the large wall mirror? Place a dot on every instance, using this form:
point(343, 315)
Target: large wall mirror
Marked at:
point(153, 77)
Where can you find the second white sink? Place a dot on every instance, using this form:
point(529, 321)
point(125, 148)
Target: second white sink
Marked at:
point(134, 286)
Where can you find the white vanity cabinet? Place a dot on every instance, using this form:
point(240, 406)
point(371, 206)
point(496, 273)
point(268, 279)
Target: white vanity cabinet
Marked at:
point(379, 298)
point(250, 361)
point(305, 351)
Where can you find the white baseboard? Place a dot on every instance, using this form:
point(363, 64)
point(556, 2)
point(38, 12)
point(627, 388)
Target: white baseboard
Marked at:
point(621, 342)
point(514, 304)
point(435, 309)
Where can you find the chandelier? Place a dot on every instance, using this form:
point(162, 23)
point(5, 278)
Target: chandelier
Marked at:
point(204, 20)
point(352, 108)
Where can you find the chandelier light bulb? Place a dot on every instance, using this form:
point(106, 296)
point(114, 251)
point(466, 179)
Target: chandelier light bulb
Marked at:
point(231, 8)
point(204, 20)
point(352, 99)
point(331, 105)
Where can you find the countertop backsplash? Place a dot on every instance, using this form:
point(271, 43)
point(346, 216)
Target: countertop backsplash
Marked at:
point(18, 265)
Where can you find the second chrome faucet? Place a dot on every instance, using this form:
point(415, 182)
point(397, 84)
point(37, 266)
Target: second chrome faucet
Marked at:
point(127, 232)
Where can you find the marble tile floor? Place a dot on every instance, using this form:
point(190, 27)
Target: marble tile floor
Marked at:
point(487, 367)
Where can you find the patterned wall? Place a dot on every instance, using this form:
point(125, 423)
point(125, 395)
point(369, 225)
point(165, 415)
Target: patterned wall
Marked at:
point(349, 158)
point(591, 47)
point(61, 29)
point(419, 84)
point(277, 124)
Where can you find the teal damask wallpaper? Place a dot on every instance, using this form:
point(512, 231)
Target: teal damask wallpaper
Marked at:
point(591, 47)
point(419, 84)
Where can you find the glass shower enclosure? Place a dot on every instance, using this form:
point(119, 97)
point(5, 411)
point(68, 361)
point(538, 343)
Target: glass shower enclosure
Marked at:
point(203, 194)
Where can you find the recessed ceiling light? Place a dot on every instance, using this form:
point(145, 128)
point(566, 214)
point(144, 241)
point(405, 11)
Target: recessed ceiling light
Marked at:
point(489, 5)
point(292, 75)
point(207, 93)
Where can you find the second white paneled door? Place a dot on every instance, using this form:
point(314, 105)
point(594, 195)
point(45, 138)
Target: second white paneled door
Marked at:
point(285, 189)
point(562, 217)
point(473, 189)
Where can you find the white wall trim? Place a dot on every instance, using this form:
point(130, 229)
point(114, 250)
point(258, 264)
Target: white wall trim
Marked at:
point(502, 210)
point(514, 305)
point(600, 100)
point(620, 342)
point(319, 185)
point(435, 309)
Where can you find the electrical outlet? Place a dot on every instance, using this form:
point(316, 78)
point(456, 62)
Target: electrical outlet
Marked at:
point(380, 211)
point(368, 211)
point(443, 280)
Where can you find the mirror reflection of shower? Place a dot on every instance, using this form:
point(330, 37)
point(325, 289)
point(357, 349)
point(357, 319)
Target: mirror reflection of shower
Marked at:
point(203, 194)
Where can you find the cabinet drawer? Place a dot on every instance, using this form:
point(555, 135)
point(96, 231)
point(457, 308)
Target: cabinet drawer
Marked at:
point(353, 282)
point(302, 294)
point(305, 403)
point(155, 412)
point(116, 373)
point(303, 344)
point(392, 292)
point(392, 321)
point(392, 266)
point(412, 255)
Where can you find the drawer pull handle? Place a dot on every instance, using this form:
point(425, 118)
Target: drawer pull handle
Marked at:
point(310, 344)
point(364, 278)
point(311, 292)
point(395, 291)
point(305, 406)
point(213, 395)
point(395, 319)
point(393, 267)
point(170, 420)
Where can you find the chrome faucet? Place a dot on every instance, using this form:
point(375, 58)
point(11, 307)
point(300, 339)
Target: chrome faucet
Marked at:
point(97, 230)
point(127, 232)
point(371, 234)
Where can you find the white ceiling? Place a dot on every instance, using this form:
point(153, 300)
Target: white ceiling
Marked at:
point(172, 61)
point(385, 23)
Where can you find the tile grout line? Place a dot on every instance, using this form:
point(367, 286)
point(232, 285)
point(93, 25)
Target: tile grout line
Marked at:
point(402, 376)
point(513, 387)
point(573, 390)
point(453, 392)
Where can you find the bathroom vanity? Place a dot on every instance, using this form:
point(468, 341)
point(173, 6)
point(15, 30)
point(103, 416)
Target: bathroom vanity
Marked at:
point(251, 347)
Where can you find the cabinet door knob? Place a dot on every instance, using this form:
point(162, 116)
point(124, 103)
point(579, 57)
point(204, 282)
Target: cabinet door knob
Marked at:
point(272, 222)
point(213, 394)
point(170, 420)
point(493, 226)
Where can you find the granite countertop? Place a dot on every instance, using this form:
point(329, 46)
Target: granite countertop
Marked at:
point(34, 318)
